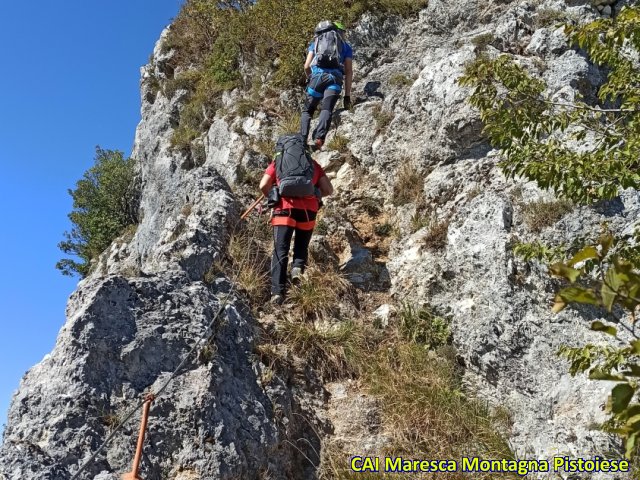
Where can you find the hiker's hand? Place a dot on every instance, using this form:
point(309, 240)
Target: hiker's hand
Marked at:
point(347, 102)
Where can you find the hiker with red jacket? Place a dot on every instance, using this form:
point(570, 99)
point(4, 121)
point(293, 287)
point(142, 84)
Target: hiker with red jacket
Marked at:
point(328, 65)
point(294, 184)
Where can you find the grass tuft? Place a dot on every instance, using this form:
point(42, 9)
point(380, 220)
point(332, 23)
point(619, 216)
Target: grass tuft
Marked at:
point(540, 214)
point(289, 123)
point(408, 187)
point(423, 326)
point(339, 143)
point(382, 117)
point(331, 350)
point(436, 237)
point(319, 292)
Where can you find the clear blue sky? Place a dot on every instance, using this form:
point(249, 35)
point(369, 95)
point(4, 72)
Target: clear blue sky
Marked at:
point(69, 81)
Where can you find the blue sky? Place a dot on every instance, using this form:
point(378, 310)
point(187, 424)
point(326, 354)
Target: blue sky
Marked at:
point(69, 81)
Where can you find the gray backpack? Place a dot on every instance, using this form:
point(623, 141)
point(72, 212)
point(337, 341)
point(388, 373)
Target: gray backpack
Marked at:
point(294, 167)
point(327, 49)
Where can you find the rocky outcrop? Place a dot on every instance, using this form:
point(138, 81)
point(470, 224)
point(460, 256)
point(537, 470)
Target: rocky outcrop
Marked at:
point(224, 416)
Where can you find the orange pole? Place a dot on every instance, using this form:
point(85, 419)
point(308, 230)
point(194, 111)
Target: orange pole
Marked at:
point(133, 475)
point(253, 205)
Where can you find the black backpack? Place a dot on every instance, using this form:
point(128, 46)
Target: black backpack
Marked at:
point(294, 167)
point(327, 48)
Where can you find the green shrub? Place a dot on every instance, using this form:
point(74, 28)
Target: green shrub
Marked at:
point(383, 229)
point(538, 251)
point(321, 227)
point(420, 219)
point(423, 326)
point(103, 207)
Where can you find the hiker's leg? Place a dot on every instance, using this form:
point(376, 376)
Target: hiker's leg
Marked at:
point(281, 243)
point(310, 106)
point(302, 238)
point(315, 90)
point(326, 109)
point(301, 248)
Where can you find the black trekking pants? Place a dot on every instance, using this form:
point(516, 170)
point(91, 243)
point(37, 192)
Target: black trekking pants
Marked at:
point(319, 93)
point(282, 235)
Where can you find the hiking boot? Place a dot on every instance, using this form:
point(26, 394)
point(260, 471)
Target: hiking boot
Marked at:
point(296, 275)
point(277, 299)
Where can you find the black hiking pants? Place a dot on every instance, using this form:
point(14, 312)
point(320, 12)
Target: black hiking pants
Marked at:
point(282, 235)
point(319, 94)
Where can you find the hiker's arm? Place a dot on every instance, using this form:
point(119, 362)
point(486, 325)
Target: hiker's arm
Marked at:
point(324, 184)
point(265, 184)
point(348, 76)
point(307, 64)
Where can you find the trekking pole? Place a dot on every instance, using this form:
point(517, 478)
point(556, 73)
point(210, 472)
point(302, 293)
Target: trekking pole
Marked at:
point(253, 205)
point(133, 475)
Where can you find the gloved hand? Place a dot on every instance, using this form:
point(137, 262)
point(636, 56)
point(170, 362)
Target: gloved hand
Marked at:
point(347, 102)
point(318, 195)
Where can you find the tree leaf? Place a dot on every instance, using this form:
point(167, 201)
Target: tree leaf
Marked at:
point(561, 270)
point(620, 397)
point(600, 375)
point(586, 253)
point(579, 295)
point(601, 327)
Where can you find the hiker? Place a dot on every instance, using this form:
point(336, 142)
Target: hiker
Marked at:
point(294, 183)
point(328, 65)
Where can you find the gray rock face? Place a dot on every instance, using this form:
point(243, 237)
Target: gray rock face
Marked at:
point(220, 417)
point(131, 322)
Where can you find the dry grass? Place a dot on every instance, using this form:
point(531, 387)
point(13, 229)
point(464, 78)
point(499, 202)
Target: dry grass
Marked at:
point(408, 187)
point(332, 350)
point(247, 263)
point(339, 143)
point(424, 410)
point(400, 79)
point(319, 293)
point(265, 146)
point(436, 237)
point(482, 41)
point(289, 123)
point(382, 117)
point(540, 214)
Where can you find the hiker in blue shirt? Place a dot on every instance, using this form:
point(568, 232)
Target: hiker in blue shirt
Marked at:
point(328, 66)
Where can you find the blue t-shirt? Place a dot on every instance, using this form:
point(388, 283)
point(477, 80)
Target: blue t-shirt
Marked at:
point(347, 52)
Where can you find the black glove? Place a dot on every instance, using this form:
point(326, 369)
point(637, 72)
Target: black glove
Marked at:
point(347, 102)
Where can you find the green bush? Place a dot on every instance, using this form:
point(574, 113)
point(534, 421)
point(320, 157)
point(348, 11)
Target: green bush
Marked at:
point(103, 208)
point(423, 326)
